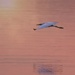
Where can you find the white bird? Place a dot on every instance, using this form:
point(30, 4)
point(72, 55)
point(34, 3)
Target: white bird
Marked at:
point(46, 25)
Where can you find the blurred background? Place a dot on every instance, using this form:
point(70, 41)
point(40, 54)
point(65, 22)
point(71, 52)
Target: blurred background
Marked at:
point(17, 37)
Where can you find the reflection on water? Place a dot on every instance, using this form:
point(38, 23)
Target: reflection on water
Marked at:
point(44, 70)
point(48, 69)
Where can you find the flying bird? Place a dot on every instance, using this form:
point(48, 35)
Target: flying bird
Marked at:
point(46, 25)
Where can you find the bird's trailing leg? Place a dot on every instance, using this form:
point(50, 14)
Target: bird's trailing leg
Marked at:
point(59, 27)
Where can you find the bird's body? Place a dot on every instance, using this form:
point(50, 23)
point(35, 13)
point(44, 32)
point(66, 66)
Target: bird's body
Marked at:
point(46, 25)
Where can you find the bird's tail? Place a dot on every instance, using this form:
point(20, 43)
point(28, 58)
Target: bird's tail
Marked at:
point(34, 29)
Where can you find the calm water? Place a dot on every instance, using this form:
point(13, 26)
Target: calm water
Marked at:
point(18, 38)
